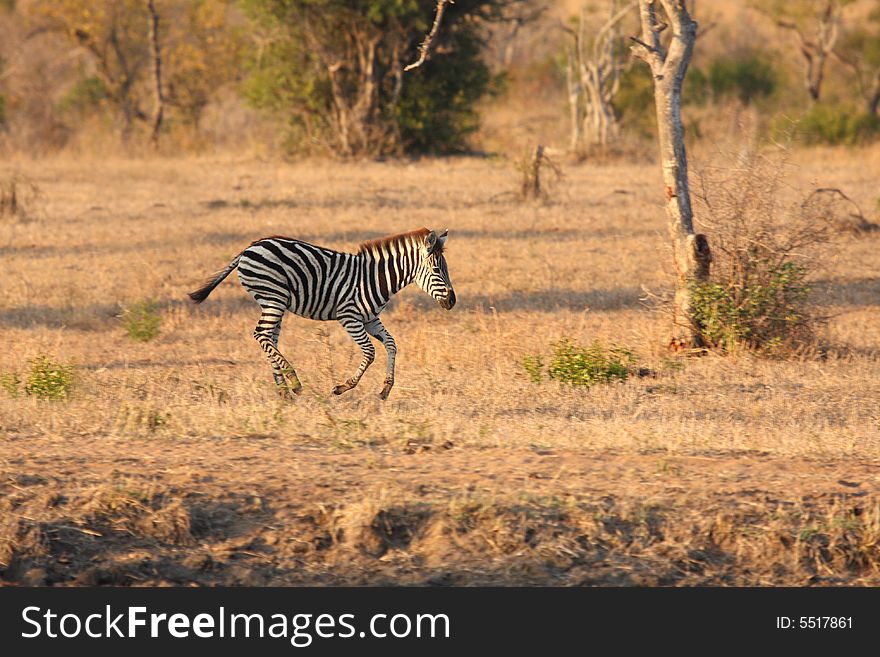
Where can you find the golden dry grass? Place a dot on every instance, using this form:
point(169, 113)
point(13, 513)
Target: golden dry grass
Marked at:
point(108, 233)
point(526, 275)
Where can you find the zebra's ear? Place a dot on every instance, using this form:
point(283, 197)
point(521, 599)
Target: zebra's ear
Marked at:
point(431, 242)
point(443, 237)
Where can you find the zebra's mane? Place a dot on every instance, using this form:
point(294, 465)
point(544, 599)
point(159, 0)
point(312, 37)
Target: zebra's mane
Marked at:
point(415, 235)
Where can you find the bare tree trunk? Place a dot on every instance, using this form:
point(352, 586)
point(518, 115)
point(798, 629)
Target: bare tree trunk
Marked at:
point(668, 67)
point(159, 110)
point(510, 42)
point(598, 75)
point(874, 96)
point(574, 105)
point(340, 115)
point(531, 181)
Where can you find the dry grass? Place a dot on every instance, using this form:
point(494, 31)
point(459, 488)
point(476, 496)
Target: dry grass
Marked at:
point(110, 233)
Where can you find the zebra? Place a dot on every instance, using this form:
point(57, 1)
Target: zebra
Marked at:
point(285, 274)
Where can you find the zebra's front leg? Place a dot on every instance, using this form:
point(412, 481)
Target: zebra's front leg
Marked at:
point(378, 331)
point(266, 335)
point(358, 333)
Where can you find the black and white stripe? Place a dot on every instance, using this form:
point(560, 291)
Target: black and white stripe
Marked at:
point(285, 274)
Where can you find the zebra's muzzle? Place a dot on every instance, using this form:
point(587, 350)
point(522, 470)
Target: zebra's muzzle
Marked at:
point(448, 301)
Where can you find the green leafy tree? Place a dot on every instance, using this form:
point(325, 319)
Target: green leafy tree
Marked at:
point(334, 71)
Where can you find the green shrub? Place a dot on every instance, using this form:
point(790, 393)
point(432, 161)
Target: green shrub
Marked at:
point(582, 366)
point(696, 87)
point(763, 255)
point(533, 365)
point(142, 320)
point(765, 312)
point(746, 78)
point(48, 379)
point(436, 112)
point(634, 101)
point(85, 95)
point(838, 126)
point(11, 383)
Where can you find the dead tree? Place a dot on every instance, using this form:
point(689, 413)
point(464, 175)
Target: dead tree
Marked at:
point(817, 40)
point(159, 108)
point(668, 62)
point(867, 78)
point(531, 174)
point(593, 77)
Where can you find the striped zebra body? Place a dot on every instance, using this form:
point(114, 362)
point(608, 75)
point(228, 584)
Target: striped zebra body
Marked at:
point(284, 274)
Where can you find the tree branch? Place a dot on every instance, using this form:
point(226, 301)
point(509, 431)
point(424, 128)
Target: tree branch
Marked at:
point(644, 45)
point(425, 47)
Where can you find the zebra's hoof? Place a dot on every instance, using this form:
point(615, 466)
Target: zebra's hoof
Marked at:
point(342, 387)
point(287, 392)
point(384, 394)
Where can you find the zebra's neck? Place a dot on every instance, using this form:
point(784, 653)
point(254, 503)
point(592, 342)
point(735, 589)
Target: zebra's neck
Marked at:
point(388, 268)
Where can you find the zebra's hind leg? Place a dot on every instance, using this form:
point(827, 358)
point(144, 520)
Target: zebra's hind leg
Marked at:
point(266, 335)
point(358, 333)
point(277, 373)
point(378, 331)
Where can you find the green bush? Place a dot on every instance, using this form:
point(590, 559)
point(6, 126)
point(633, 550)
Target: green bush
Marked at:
point(746, 78)
point(48, 379)
point(764, 251)
point(142, 320)
point(838, 126)
point(634, 101)
point(582, 366)
point(436, 113)
point(765, 314)
point(83, 97)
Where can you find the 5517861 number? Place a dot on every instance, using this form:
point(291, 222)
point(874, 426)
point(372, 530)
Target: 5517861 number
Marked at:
point(814, 622)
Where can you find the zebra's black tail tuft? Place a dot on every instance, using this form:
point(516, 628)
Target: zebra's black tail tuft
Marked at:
point(202, 293)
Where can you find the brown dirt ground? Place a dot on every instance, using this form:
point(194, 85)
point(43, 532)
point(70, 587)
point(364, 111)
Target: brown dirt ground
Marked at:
point(259, 511)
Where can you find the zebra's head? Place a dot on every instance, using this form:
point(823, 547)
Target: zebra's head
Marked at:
point(432, 274)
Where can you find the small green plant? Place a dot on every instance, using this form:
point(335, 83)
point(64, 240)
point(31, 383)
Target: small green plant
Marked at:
point(48, 379)
point(11, 383)
point(142, 320)
point(587, 366)
point(582, 366)
point(765, 313)
point(533, 365)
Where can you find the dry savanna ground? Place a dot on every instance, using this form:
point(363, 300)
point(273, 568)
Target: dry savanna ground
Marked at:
point(174, 462)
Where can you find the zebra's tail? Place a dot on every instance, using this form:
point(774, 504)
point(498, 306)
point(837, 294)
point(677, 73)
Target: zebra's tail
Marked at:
point(202, 293)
